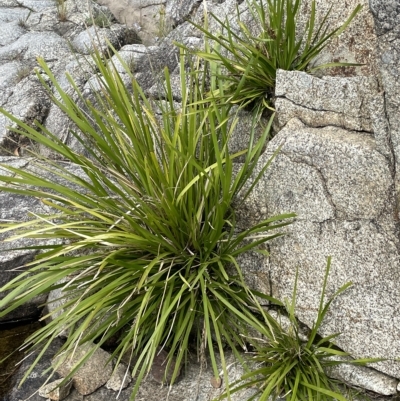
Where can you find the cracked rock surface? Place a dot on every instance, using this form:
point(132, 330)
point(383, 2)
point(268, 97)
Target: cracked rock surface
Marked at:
point(319, 102)
point(342, 189)
point(387, 21)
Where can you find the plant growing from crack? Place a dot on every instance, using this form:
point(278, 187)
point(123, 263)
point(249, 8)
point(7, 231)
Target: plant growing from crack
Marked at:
point(250, 60)
point(289, 366)
point(61, 10)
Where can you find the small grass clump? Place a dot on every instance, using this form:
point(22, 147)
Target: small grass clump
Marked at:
point(23, 22)
point(62, 14)
point(22, 73)
point(101, 20)
point(295, 369)
point(163, 25)
point(251, 60)
point(144, 241)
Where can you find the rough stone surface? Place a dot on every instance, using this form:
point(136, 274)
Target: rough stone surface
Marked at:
point(95, 37)
point(341, 187)
point(195, 383)
point(387, 17)
point(363, 377)
point(93, 374)
point(35, 379)
point(55, 390)
point(28, 101)
point(245, 123)
point(153, 19)
point(340, 182)
point(120, 378)
point(319, 102)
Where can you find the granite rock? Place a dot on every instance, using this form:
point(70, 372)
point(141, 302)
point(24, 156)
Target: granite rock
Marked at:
point(120, 378)
point(357, 44)
point(100, 38)
point(387, 17)
point(16, 207)
point(363, 377)
point(319, 102)
point(36, 379)
point(341, 188)
point(56, 390)
point(93, 374)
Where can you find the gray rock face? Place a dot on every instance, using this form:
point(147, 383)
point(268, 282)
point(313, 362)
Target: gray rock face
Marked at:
point(120, 378)
point(27, 101)
point(360, 376)
point(356, 44)
point(387, 17)
point(48, 45)
point(56, 390)
point(15, 207)
point(341, 187)
point(343, 102)
point(95, 37)
point(92, 374)
point(35, 379)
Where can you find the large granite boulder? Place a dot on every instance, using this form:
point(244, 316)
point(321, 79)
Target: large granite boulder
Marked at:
point(340, 183)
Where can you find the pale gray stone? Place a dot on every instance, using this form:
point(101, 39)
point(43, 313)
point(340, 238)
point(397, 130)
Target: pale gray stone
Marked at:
point(358, 43)
point(92, 37)
point(48, 45)
point(8, 79)
point(36, 5)
point(341, 187)
point(387, 17)
point(55, 390)
point(11, 12)
point(93, 374)
point(318, 102)
point(120, 378)
point(28, 101)
point(363, 377)
point(17, 208)
point(11, 31)
point(180, 10)
point(133, 56)
point(244, 124)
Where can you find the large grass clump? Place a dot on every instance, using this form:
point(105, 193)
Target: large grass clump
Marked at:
point(142, 240)
point(251, 60)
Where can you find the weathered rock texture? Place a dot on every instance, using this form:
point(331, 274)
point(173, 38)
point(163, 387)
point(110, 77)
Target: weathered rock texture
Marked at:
point(341, 186)
point(56, 390)
point(340, 183)
point(92, 374)
point(387, 18)
point(335, 101)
